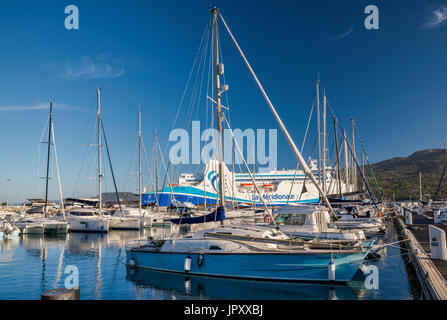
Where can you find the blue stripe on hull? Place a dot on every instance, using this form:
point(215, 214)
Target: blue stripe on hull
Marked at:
point(165, 199)
point(277, 267)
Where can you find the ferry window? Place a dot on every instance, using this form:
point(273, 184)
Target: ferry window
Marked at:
point(215, 248)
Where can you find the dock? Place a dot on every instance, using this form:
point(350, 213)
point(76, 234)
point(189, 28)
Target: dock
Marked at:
point(432, 273)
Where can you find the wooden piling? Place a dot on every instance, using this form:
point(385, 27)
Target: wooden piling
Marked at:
point(61, 294)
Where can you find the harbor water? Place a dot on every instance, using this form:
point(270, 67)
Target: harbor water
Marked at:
point(30, 265)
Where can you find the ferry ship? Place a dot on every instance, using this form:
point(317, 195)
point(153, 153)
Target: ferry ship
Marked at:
point(278, 187)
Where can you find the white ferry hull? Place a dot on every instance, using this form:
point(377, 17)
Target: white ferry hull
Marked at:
point(277, 188)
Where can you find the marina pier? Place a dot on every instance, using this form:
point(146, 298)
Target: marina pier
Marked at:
point(432, 273)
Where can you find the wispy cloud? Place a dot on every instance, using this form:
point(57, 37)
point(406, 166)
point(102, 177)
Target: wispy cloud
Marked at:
point(92, 68)
point(437, 19)
point(40, 106)
point(345, 34)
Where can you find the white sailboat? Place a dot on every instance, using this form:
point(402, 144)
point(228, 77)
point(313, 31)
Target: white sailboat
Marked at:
point(91, 219)
point(142, 215)
point(35, 223)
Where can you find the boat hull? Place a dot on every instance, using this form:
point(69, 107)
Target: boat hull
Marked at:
point(31, 228)
point(88, 225)
point(116, 223)
point(302, 267)
point(56, 228)
point(145, 222)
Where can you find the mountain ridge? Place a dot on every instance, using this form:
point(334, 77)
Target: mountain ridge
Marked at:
point(399, 177)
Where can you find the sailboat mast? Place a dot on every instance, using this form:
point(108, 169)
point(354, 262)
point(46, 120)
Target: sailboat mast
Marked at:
point(254, 173)
point(219, 71)
point(99, 152)
point(420, 186)
point(318, 128)
point(337, 156)
point(48, 158)
point(57, 171)
point(156, 173)
point(139, 162)
point(348, 186)
point(354, 170)
point(363, 171)
point(204, 188)
point(324, 142)
point(232, 169)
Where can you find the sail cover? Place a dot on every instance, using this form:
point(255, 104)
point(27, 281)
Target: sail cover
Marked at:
point(216, 215)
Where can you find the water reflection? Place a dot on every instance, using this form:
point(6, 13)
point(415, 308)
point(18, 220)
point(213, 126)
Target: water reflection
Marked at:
point(194, 287)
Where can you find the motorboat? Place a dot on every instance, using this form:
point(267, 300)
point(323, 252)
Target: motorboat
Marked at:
point(87, 220)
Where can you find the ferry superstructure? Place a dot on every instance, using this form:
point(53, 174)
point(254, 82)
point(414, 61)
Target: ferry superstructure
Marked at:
point(278, 187)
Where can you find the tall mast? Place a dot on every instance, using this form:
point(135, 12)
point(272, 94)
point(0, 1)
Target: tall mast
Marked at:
point(318, 128)
point(58, 175)
point(337, 156)
point(156, 172)
point(420, 186)
point(363, 171)
point(99, 152)
point(219, 71)
point(348, 185)
point(324, 141)
point(254, 174)
point(204, 187)
point(354, 170)
point(232, 169)
point(48, 158)
point(139, 161)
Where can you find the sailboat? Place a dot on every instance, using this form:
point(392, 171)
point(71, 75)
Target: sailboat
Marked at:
point(91, 219)
point(241, 251)
point(137, 213)
point(116, 221)
point(46, 225)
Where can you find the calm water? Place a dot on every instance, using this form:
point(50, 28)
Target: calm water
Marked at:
point(30, 265)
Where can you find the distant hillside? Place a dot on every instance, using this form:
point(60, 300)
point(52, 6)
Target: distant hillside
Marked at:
point(401, 175)
point(124, 196)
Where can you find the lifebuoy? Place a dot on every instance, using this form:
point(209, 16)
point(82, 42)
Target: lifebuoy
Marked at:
point(268, 218)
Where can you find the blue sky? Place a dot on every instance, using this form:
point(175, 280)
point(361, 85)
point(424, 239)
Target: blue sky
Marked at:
point(391, 80)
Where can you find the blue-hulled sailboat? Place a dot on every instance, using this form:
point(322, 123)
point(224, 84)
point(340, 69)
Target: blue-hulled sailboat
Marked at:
point(248, 252)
